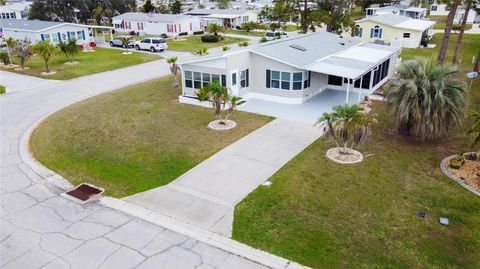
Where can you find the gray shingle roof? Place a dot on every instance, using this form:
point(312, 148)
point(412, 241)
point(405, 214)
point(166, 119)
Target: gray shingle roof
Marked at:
point(206, 11)
point(28, 25)
point(318, 45)
point(137, 16)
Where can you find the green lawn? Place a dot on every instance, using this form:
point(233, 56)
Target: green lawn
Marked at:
point(357, 13)
point(441, 22)
point(90, 63)
point(291, 28)
point(2, 89)
point(133, 139)
point(194, 43)
point(327, 215)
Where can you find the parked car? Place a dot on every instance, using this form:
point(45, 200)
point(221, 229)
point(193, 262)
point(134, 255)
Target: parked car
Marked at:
point(83, 43)
point(117, 41)
point(152, 44)
point(275, 35)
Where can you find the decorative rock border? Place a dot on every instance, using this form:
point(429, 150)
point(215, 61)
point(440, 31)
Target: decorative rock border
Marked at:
point(22, 69)
point(71, 63)
point(217, 126)
point(127, 53)
point(443, 167)
point(330, 155)
point(48, 74)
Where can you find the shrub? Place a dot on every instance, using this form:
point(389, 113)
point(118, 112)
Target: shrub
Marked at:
point(2, 89)
point(4, 58)
point(183, 34)
point(210, 38)
point(133, 33)
point(200, 52)
point(456, 27)
point(263, 39)
point(243, 44)
point(225, 48)
point(163, 36)
point(198, 33)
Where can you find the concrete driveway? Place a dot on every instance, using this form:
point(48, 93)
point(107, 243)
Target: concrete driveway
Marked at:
point(308, 112)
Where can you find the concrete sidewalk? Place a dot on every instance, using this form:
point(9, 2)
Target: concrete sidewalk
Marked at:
point(206, 195)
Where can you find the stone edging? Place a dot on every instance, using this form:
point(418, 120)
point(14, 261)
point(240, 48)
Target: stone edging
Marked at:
point(210, 238)
point(327, 154)
point(443, 165)
point(229, 124)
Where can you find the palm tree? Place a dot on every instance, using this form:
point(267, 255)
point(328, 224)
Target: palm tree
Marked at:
point(448, 29)
point(11, 43)
point(215, 28)
point(233, 102)
point(217, 95)
point(347, 125)
point(46, 50)
point(427, 99)
point(174, 68)
point(458, 44)
point(125, 43)
point(69, 48)
point(475, 128)
point(200, 52)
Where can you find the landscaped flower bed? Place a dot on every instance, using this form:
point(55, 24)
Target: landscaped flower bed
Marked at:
point(464, 168)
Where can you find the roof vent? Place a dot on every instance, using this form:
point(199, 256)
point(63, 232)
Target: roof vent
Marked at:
point(341, 36)
point(342, 43)
point(298, 47)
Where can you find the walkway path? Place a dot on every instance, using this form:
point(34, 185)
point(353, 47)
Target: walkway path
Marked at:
point(206, 195)
point(39, 228)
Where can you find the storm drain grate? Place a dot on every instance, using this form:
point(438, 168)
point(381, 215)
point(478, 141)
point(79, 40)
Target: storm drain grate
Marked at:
point(84, 193)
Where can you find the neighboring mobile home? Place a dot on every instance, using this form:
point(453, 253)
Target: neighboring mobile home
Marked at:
point(228, 18)
point(394, 30)
point(156, 24)
point(293, 70)
point(35, 30)
point(407, 11)
point(437, 9)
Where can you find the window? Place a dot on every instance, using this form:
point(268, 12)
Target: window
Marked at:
point(357, 31)
point(297, 80)
point(140, 26)
point(215, 78)
point(306, 79)
point(55, 38)
point(285, 81)
point(334, 80)
point(366, 80)
point(275, 80)
point(188, 79)
point(245, 18)
point(145, 41)
point(433, 8)
point(206, 79)
point(406, 35)
point(376, 32)
point(79, 35)
point(244, 78)
point(170, 28)
point(46, 37)
point(357, 83)
point(234, 78)
point(197, 80)
point(71, 35)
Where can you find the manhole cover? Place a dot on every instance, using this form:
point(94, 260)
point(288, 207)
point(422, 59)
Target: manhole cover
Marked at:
point(84, 193)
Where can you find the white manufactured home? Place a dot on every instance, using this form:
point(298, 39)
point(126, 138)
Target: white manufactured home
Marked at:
point(294, 70)
point(156, 24)
point(228, 18)
point(35, 30)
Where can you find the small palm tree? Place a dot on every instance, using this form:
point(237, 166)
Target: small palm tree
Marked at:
point(200, 52)
point(69, 48)
point(215, 28)
point(475, 128)
point(45, 50)
point(125, 43)
point(174, 68)
point(427, 99)
point(11, 43)
point(217, 95)
point(233, 102)
point(348, 126)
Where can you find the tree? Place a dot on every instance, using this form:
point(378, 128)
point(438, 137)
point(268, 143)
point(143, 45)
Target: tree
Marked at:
point(233, 101)
point(148, 7)
point(215, 28)
point(448, 29)
point(45, 50)
point(175, 7)
point(249, 25)
point(23, 51)
point(69, 48)
point(428, 100)
point(200, 52)
point(475, 128)
point(219, 97)
point(476, 67)
point(273, 26)
point(223, 4)
point(348, 126)
point(174, 68)
point(125, 43)
point(468, 5)
point(11, 43)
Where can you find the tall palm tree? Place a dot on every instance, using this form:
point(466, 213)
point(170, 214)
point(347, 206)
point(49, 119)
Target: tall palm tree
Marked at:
point(475, 128)
point(458, 44)
point(347, 125)
point(448, 29)
point(45, 50)
point(428, 99)
point(11, 43)
point(174, 68)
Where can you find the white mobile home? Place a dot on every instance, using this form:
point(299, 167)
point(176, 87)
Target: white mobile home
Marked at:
point(228, 18)
point(407, 11)
point(293, 70)
point(156, 24)
point(35, 30)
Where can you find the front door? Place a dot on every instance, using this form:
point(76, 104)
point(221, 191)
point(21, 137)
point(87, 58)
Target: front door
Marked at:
point(234, 80)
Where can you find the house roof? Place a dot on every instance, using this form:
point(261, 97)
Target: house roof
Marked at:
point(157, 17)
point(207, 11)
point(399, 21)
point(31, 25)
point(320, 52)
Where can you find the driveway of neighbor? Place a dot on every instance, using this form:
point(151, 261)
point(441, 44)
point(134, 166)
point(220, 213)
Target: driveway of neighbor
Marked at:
point(308, 112)
point(40, 228)
point(206, 195)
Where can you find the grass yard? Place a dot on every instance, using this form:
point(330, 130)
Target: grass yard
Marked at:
point(133, 139)
point(442, 21)
point(194, 43)
point(291, 28)
point(325, 215)
point(2, 89)
point(90, 63)
point(243, 32)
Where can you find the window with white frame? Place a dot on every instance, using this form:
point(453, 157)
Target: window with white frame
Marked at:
point(406, 35)
point(46, 37)
point(198, 80)
point(297, 81)
point(358, 31)
point(170, 28)
point(206, 79)
point(234, 78)
point(72, 35)
point(79, 35)
point(287, 80)
point(55, 38)
point(376, 32)
point(244, 77)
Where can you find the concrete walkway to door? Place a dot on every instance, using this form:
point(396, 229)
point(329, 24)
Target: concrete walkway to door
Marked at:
point(206, 195)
